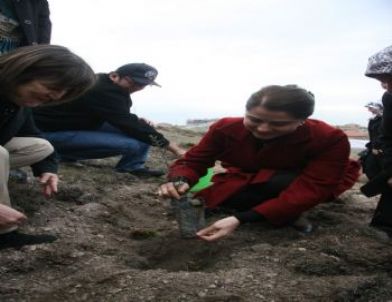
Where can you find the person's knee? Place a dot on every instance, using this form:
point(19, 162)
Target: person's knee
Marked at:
point(4, 155)
point(136, 147)
point(143, 147)
point(43, 146)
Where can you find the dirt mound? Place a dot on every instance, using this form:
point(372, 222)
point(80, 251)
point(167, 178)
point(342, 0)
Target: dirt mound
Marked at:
point(118, 242)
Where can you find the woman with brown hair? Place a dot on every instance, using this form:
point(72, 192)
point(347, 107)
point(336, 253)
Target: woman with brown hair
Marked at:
point(279, 163)
point(32, 76)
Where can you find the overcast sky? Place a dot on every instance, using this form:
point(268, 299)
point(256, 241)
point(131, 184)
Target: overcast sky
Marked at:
point(212, 54)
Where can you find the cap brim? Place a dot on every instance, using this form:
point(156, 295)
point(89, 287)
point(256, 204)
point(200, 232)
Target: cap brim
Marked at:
point(144, 82)
point(155, 84)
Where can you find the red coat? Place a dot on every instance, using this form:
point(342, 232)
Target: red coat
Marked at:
point(319, 151)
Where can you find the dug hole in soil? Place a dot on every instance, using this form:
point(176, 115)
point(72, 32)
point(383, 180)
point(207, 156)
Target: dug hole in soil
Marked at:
point(118, 242)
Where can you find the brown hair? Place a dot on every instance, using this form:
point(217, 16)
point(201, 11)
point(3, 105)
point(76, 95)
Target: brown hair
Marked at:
point(55, 65)
point(296, 101)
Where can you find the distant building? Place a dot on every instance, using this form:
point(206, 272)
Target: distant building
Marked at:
point(200, 122)
point(355, 131)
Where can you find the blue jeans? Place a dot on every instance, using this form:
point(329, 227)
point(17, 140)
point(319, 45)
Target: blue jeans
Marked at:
point(104, 142)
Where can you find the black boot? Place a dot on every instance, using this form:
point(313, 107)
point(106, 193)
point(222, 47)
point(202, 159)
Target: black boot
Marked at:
point(144, 172)
point(19, 176)
point(17, 240)
point(382, 218)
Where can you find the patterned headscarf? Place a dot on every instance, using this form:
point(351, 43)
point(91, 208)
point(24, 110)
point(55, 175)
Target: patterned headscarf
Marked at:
point(380, 63)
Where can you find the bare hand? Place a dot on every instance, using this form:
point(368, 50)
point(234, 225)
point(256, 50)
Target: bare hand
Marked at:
point(219, 229)
point(10, 217)
point(376, 151)
point(148, 122)
point(49, 183)
point(176, 149)
point(170, 190)
point(218, 169)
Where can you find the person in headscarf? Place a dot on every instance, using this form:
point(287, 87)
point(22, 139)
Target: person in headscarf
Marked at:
point(379, 67)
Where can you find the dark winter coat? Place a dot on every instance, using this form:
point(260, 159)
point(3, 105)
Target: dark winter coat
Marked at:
point(317, 151)
point(105, 102)
point(33, 16)
point(374, 130)
point(387, 130)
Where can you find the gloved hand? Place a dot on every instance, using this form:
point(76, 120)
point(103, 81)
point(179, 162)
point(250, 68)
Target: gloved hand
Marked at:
point(378, 184)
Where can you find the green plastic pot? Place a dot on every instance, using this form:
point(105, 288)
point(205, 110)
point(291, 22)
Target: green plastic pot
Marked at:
point(204, 181)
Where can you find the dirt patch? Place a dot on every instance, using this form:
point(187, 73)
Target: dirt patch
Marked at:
point(118, 242)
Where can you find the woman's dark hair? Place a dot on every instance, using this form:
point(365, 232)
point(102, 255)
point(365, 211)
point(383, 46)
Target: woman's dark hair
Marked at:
point(296, 101)
point(56, 66)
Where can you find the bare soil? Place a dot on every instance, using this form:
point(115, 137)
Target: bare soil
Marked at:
point(118, 242)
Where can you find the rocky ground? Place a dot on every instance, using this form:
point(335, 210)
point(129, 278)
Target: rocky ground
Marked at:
point(118, 242)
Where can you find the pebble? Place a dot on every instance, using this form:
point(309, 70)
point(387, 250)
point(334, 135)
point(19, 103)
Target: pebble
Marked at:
point(262, 247)
point(32, 248)
point(260, 296)
point(77, 254)
point(380, 235)
point(202, 294)
point(92, 210)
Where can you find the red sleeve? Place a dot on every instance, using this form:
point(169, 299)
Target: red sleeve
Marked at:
point(316, 183)
point(198, 159)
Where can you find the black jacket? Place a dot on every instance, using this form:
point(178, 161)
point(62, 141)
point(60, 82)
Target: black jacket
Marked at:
point(33, 17)
point(17, 121)
point(378, 184)
point(374, 130)
point(386, 137)
point(105, 102)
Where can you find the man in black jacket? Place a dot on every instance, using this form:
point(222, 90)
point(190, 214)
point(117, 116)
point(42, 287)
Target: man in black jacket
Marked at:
point(99, 124)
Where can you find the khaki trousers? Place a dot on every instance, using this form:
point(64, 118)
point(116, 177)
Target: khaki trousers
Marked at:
point(20, 152)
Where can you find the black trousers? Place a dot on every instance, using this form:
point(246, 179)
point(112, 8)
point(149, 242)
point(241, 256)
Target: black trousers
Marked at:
point(383, 214)
point(371, 165)
point(256, 194)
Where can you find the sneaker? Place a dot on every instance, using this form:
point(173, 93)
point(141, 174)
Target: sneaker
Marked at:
point(72, 163)
point(147, 172)
point(18, 175)
point(303, 225)
point(386, 228)
point(17, 240)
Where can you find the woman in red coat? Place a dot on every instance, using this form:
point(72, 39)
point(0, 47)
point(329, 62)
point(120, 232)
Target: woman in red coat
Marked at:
point(278, 162)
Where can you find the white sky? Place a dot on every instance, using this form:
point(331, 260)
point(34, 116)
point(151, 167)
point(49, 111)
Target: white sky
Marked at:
point(212, 54)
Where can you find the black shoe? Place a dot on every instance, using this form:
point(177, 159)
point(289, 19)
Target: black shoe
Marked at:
point(17, 240)
point(303, 225)
point(18, 176)
point(147, 172)
point(386, 228)
point(72, 163)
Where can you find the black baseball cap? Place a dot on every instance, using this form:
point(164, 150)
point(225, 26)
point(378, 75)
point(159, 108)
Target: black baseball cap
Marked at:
point(141, 73)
